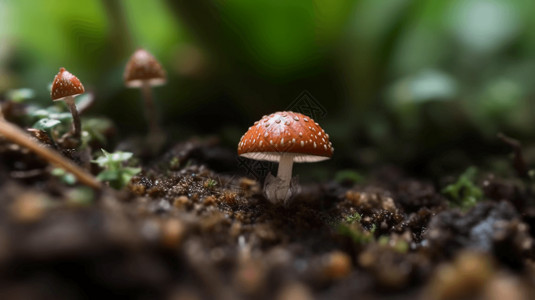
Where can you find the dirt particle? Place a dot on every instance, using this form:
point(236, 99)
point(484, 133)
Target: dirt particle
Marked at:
point(181, 202)
point(337, 265)
point(295, 291)
point(137, 188)
point(28, 207)
point(209, 200)
point(250, 277)
point(172, 233)
point(229, 198)
point(235, 229)
point(462, 279)
point(505, 286)
point(155, 192)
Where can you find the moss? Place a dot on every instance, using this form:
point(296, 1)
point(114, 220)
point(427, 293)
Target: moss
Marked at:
point(464, 193)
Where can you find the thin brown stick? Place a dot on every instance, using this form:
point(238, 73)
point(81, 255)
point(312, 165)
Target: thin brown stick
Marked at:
point(16, 135)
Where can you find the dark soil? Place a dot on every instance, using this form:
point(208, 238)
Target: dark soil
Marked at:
point(192, 231)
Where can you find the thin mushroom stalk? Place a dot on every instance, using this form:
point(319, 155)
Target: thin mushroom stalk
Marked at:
point(76, 123)
point(18, 136)
point(278, 190)
point(150, 109)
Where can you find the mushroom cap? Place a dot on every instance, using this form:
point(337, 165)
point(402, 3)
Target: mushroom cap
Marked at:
point(65, 84)
point(286, 132)
point(143, 67)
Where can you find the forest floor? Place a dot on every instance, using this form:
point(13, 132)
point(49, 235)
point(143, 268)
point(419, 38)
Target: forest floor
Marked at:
point(185, 231)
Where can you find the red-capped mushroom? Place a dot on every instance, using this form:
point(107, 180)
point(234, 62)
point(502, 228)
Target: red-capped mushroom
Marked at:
point(65, 87)
point(144, 71)
point(285, 137)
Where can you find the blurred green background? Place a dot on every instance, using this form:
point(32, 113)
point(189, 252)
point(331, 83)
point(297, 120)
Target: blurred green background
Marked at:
point(424, 84)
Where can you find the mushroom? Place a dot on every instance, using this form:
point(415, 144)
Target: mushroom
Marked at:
point(144, 71)
point(285, 137)
point(65, 87)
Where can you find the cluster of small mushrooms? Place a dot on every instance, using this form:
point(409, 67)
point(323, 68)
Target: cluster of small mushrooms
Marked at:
point(142, 71)
point(284, 137)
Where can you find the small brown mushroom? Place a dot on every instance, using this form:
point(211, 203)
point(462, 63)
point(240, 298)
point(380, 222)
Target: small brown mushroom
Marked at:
point(285, 137)
point(65, 87)
point(144, 71)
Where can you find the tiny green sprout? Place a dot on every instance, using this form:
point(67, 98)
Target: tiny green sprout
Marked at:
point(354, 231)
point(174, 163)
point(210, 184)
point(115, 172)
point(64, 176)
point(356, 217)
point(464, 193)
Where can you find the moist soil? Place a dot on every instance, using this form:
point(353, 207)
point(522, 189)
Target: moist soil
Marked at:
point(200, 229)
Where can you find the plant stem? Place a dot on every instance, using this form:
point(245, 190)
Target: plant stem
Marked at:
point(150, 110)
point(17, 136)
point(284, 173)
point(76, 123)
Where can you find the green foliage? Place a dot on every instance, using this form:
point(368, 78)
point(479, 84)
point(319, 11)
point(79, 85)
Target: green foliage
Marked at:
point(356, 217)
point(352, 228)
point(51, 120)
point(96, 129)
point(414, 66)
point(357, 233)
point(20, 95)
point(174, 164)
point(464, 193)
point(45, 124)
point(64, 176)
point(52, 112)
point(210, 184)
point(116, 172)
point(55, 121)
point(348, 176)
point(81, 196)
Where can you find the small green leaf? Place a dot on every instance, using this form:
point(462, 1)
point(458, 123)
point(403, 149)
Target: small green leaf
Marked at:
point(64, 176)
point(40, 113)
point(115, 172)
point(20, 95)
point(46, 124)
point(108, 175)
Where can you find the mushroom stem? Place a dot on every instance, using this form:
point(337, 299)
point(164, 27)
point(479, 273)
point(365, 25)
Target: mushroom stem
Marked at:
point(18, 136)
point(76, 123)
point(150, 110)
point(285, 175)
